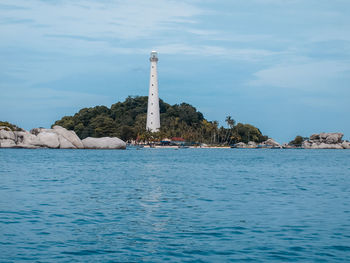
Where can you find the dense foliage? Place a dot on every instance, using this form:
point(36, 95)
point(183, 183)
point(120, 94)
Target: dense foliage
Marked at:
point(127, 120)
point(298, 141)
point(10, 126)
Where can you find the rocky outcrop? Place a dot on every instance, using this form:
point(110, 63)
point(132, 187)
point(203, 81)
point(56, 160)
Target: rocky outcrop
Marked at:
point(326, 141)
point(270, 143)
point(47, 139)
point(7, 143)
point(103, 143)
point(65, 144)
point(241, 145)
point(252, 144)
point(26, 140)
point(57, 137)
point(7, 137)
point(6, 133)
point(345, 145)
point(68, 136)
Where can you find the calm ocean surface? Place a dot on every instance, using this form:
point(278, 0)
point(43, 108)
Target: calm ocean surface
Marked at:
point(188, 205)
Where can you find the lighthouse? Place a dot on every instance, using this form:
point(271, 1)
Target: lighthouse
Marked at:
point(153, 115)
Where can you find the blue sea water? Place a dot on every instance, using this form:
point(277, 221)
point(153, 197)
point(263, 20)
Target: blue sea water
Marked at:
point(188, 205)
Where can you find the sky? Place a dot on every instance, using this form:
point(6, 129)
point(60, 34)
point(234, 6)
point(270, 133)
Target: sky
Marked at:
point(283, 66)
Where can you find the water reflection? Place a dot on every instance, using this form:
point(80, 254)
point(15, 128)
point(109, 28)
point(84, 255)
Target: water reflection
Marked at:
point(152, 198)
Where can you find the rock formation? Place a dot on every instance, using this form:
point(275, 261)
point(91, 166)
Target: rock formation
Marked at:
point(68, 139)
point(103, 143)
point(326, 141)
point(269, 143)
point(241, 145)
point(25, 139)
point(57, 137)
point(252, 144)
point(345, 145)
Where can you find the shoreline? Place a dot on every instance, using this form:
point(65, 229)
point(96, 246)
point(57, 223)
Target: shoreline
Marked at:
point(60, 138)
point(224, 147)
point(165, 147)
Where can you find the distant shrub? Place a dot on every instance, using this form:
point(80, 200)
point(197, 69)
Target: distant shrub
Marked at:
point(10, 126)
point(298, 141)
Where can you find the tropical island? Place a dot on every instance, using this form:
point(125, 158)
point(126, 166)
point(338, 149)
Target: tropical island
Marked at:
point(101, 127)
point(127, 120)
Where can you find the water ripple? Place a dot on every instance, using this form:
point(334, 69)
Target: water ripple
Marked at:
point(178, 206)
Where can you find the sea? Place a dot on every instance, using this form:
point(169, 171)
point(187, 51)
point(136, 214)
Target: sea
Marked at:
point(167, 205)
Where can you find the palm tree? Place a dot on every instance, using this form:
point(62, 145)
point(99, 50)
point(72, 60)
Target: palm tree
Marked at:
point(231, 124)
point(215, 129)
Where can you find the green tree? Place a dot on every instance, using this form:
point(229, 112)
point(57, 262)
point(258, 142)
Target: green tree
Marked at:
point(298, 141)
point(127, 120)
point(10, 126)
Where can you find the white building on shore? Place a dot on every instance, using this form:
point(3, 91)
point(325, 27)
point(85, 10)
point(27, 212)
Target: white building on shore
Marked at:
point(153, 114)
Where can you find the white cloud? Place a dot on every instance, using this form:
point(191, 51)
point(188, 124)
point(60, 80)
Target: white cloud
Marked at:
point(278, 2)
point(130, 19)
point(86, 27)
point(206, 50)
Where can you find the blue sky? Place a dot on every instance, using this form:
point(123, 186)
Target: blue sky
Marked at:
point(283, 66)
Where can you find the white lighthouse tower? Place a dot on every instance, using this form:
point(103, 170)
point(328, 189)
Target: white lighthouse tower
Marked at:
point(153, 115)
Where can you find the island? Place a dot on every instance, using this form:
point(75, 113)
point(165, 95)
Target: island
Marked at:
point(123, 123)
